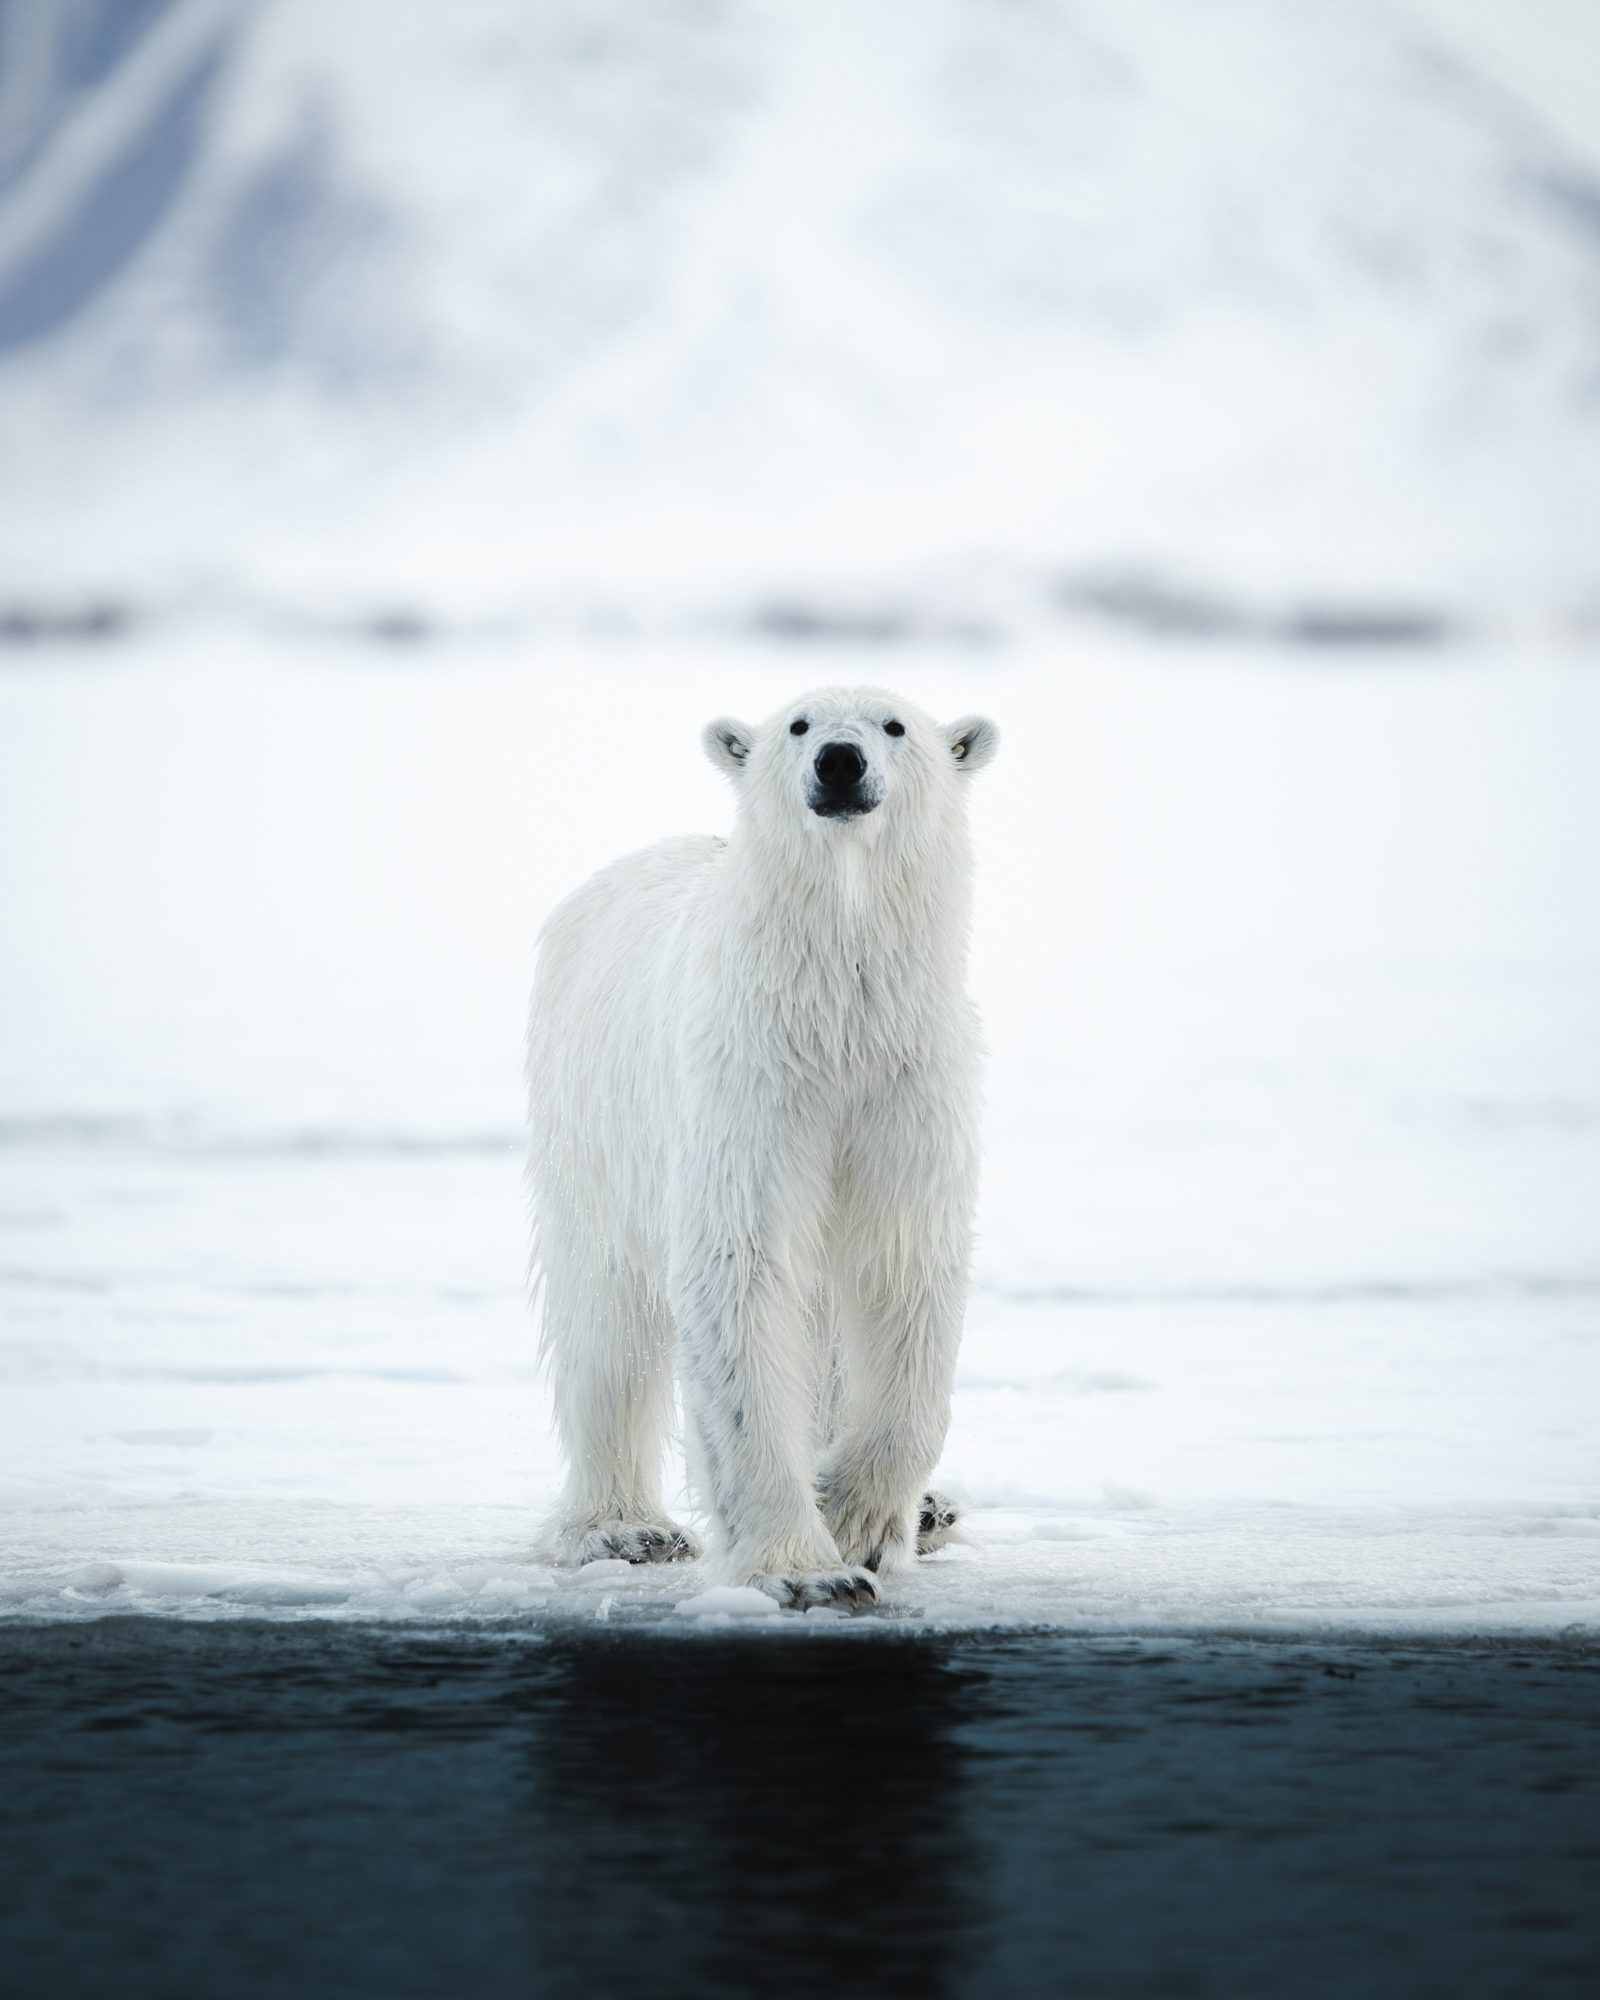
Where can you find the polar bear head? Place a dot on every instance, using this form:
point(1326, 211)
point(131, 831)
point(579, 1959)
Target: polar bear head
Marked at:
point(850, 764)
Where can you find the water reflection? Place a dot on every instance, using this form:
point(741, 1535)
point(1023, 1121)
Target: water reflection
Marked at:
point(750, 1816)
point(246, 1811)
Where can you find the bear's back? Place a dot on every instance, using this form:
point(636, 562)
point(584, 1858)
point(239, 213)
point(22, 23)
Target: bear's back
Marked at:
point(604, 1017)
point(619, 916)
point(603, 1001)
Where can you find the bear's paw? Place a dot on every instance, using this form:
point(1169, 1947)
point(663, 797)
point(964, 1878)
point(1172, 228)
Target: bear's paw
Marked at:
point(870, 1529)
point(937, 1517)
point(630, 1542)
point(803, 1590)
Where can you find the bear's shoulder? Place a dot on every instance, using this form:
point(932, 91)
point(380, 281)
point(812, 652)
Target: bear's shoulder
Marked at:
point(651, 876)
point(666, 863)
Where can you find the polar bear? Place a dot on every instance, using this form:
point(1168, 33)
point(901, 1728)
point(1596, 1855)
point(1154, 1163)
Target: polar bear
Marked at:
point(754, 1083)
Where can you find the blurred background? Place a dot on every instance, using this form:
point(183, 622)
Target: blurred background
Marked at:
point(415, 421)
point(1249, 317)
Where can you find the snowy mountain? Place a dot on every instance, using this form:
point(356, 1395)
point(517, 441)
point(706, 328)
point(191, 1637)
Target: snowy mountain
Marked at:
point(1197, 312)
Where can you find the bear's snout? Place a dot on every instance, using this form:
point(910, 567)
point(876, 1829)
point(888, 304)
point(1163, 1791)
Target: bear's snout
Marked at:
point(839, 770)
point(839, 766)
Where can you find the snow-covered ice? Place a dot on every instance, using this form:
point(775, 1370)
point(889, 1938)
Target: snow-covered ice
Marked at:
point(1288, 1300)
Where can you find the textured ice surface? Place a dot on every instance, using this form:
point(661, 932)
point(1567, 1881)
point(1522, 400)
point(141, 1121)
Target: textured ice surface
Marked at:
point(1288, 1300)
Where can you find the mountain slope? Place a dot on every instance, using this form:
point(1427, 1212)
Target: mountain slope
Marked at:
point(500, 303)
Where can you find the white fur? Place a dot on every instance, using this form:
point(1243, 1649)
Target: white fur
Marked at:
point(754, 1080)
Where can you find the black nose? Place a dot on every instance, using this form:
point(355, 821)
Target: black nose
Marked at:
point(840, 767)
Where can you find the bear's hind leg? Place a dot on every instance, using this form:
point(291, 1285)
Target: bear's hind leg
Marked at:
point(938, 1522)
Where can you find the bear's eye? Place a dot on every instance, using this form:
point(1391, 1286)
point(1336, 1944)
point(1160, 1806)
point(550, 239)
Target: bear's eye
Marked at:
point(894, 729)
point(799, 726)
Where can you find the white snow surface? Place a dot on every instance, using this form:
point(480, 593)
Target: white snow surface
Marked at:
point(1287, 1305)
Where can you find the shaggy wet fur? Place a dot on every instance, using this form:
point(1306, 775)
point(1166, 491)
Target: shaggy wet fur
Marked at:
point(754, 1084)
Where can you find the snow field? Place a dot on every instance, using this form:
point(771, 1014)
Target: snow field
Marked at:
point(1288, 1300)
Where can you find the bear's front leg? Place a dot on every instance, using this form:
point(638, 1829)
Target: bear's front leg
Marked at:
point(901, 1339)
point(907, 1180)
point(742, 1338)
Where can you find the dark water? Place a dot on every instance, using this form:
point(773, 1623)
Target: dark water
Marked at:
point(308, 1810)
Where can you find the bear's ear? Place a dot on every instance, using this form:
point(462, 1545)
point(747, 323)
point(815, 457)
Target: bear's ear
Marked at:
point(973, 741)
point(728, 744)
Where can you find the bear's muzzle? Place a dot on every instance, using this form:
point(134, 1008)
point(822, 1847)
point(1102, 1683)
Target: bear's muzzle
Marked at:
point(838, 791)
